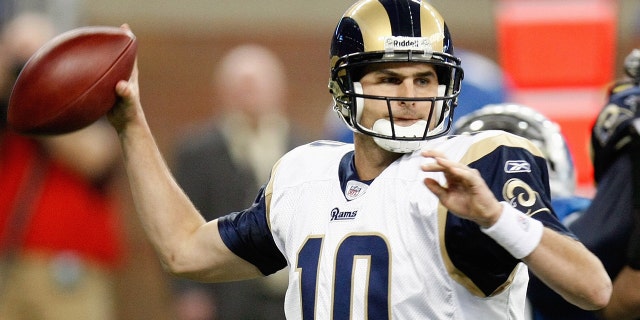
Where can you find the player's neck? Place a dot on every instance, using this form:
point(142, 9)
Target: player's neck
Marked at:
point(370, 159)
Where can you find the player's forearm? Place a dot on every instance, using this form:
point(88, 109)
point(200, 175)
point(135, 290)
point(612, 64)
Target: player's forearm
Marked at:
point(167, 215)
point(571, 270)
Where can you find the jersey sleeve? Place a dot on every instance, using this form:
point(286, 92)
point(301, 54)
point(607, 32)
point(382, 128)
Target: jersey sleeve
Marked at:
point(516, 172)
point(247, 234)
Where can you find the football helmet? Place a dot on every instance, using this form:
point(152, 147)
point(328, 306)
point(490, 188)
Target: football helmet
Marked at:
point(383, 31)
point(617, 128)
point(531, 124)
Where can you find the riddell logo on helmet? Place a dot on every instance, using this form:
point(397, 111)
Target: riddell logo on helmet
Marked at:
point(407, 43)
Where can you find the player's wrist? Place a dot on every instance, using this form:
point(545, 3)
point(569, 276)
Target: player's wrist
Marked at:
point(515, 231)
point(493, 215)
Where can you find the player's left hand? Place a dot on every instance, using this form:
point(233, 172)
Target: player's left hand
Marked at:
point(465, 194)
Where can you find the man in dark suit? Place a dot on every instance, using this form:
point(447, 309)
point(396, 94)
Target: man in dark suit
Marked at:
point(238, 146)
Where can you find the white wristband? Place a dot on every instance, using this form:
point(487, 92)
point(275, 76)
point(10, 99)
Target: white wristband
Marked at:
point(515, 231)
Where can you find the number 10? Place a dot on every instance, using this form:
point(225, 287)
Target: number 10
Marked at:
point(374, 248)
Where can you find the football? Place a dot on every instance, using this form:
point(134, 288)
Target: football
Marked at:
point(69, 83)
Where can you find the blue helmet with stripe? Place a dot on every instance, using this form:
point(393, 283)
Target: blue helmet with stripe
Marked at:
point(384, 31)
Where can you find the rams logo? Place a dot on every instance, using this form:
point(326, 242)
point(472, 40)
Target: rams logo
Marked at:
point(609, 120)
point(522, 197)
point(337, 215)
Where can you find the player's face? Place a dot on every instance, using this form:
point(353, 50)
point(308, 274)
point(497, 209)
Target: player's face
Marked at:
point(402, 80)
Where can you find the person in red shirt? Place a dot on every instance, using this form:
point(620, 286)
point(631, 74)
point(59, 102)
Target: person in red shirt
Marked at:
point(60, 234)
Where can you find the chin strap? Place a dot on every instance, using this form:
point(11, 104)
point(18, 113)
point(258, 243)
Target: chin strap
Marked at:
point(357, 88)
point(383, 126)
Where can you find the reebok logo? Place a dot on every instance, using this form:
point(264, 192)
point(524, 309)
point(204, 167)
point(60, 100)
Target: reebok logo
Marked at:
point(514, 166)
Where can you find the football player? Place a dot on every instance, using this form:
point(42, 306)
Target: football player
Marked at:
point(610, 226)
point(406, 222)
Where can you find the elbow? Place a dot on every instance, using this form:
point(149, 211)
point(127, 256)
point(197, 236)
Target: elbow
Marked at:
point(172, 265)
point(603, 297)
point(176, 272)
point(182, 266)
point(170, 268)
point(599, 297)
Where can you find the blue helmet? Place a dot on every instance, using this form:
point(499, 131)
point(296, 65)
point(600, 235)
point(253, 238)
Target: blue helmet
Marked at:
point(617, 128)
point(383, 31)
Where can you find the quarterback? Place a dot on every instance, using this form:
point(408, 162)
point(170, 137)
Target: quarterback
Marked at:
point(405, 223)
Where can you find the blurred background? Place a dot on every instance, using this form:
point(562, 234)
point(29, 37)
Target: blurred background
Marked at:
point(556, 56)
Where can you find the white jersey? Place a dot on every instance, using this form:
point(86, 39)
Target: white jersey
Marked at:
point(387, 249)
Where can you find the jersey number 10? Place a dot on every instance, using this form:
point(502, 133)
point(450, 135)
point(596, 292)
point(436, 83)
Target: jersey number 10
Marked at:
point(370, 247)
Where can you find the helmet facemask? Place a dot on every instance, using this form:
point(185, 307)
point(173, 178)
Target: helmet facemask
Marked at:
point(349, 99)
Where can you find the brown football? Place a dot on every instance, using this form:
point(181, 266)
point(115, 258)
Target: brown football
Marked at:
point(69, 83)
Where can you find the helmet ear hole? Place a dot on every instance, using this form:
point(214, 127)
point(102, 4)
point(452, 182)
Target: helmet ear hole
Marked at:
point(357, 89)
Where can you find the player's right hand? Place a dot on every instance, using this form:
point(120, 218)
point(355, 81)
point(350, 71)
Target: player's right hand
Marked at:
point(465, 194)
point(127, 107)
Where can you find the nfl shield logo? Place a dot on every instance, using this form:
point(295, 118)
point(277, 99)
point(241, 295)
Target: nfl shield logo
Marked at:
point(355, 189)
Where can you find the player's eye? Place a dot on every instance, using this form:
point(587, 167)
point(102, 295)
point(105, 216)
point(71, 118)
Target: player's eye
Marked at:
point(423, 81)
point(390, 80)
